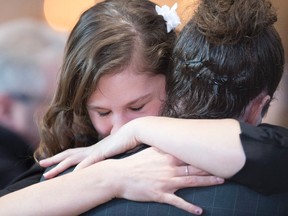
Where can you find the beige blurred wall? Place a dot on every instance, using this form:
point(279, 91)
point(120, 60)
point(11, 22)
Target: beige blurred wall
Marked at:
point(13, 9)
point(278, 113)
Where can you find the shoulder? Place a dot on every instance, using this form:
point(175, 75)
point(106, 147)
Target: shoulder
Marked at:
point(266, 133)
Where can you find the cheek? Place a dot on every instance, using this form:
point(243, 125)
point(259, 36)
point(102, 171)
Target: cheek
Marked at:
point(155, 108)
point(152, 109)
point(156, 105)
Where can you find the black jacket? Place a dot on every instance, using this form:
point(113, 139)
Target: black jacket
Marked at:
point(16, 156)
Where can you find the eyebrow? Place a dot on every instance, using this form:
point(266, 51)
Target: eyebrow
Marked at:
point(140, 99)
point(144, 97)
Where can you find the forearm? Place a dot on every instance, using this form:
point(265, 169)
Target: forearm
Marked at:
point(257, 156)
point(211, 145)
point(70, 194)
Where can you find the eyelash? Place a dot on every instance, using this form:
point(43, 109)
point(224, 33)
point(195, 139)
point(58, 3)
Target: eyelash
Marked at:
point(137, 109)
point(132, 109)
point(103, 114)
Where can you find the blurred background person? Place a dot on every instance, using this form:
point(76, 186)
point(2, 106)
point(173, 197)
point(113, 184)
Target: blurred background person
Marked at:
point(30, 58)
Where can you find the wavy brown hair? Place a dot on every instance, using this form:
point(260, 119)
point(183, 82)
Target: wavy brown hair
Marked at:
point(226, 55)
point(105, 38)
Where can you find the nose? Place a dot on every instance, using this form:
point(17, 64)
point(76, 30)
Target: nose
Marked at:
point(117, 122)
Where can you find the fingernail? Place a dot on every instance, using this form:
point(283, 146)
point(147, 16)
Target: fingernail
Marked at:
point(41, 162)
point(46, 175)
point(219, 180)
point(198, 211)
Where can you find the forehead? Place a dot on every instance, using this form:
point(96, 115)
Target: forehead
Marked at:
point(126, 85)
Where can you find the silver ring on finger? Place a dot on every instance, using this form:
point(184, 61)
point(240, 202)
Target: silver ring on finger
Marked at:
point(187, 170)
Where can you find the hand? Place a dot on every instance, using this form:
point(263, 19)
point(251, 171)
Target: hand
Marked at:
point(65, 160)
point(152, 175)
point(85, 156)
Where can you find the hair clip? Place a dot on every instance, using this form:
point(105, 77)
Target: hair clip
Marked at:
point(169, 15)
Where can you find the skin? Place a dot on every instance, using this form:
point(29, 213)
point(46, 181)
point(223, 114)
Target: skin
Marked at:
point(97, 185)
point(185, 139)
point(103, 151)
point(110, 106)
point(19, 116)
point(166, 173)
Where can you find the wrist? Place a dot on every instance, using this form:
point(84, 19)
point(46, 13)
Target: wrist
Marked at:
point(115, 178)
point(109, 172)
point(130, 134)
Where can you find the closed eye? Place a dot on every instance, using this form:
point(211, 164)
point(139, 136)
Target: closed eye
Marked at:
point(102, 114)
point(137, 108)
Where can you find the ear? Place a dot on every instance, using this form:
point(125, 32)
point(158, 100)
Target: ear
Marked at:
point(255, 111)
point(6, 105)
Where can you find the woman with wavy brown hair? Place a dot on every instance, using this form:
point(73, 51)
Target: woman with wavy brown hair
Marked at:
point(73, 119)
point(115, 66)
point(227, 63)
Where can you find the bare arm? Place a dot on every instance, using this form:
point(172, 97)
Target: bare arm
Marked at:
point(96, 184)
point(53, 196)
point(211, 145)
point(60, 196)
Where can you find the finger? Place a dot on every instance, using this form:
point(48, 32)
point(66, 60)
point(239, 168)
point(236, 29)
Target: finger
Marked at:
point(52, 173)
point(178, 202)
point(50, 161)
point(56, 158)
point(85, 163)
point(62, 166)
point(190, 170)
point(195, 181)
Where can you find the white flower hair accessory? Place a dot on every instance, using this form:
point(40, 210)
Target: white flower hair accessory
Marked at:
point(169, 15)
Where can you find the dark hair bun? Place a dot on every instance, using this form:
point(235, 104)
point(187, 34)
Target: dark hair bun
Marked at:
point(228, 21)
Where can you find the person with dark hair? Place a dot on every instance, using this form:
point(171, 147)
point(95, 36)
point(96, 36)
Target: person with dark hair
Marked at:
point(97, 183)
point(236, 66)
point(115, 47)
point(225, 74)
point(228, 62)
